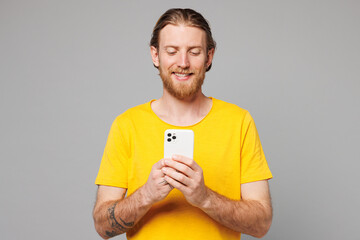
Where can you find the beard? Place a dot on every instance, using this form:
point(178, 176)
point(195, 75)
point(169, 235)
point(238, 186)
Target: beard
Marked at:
point(186, 89)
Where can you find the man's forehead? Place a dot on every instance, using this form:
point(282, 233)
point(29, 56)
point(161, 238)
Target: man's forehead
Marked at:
point(173, 35)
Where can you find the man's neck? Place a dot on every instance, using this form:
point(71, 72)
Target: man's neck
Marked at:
point(182, 112)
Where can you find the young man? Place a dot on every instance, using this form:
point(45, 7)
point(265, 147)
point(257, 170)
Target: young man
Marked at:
point(220, 193)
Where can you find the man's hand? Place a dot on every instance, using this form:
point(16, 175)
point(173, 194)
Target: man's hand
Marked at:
point(251, 215)
point(187, 176)
point(156, 188)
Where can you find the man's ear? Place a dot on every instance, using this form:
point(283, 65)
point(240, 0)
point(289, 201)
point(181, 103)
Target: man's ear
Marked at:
point(210, 56)
point(154, 55)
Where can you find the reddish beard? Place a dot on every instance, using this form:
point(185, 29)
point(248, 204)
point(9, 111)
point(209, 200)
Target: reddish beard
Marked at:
point(182, 90)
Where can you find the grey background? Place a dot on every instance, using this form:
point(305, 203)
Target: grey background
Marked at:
point(68, 68)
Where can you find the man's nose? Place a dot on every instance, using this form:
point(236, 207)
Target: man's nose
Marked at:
point(183, 60)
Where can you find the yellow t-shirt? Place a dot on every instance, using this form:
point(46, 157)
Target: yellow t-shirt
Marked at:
point(226, 146)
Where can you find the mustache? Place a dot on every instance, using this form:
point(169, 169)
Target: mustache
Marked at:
point(182, 71)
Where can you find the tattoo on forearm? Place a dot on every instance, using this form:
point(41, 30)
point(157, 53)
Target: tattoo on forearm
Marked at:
point(123, 226)
point(111, 234)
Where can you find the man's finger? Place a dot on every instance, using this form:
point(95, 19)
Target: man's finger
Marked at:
point(175, 184)
point(164, 182)
point(185, 160)
point(179, 167)
point(178, 176)
point(160, 164)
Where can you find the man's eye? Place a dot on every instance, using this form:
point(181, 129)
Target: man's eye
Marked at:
point(195, 53)
point(171, 53)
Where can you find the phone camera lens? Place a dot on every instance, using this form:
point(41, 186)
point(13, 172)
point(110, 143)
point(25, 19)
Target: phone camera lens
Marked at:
point(169, 139)
point(169, 134)
point(174, 137)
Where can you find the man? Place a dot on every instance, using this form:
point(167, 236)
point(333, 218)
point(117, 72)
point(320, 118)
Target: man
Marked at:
point(220, 193)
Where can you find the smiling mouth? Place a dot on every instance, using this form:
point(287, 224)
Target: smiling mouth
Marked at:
point(182, 75)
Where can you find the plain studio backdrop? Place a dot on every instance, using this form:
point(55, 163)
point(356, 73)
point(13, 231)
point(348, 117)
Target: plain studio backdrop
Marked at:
point(68, 68)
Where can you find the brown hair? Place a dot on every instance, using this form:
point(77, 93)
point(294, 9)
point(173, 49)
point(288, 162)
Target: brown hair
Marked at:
point(185, 16)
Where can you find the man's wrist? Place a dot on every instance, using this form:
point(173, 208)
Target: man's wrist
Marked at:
point(207, 200)
point(145, 196)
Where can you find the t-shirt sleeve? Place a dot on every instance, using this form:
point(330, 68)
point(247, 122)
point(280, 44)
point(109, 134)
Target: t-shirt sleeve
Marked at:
point(253, 164)
point(114, 164)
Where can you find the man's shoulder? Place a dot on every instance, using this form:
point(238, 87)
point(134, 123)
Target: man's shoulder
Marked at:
point(230, 108)
point(135, 112)
point(139, 109)
point(231, 114)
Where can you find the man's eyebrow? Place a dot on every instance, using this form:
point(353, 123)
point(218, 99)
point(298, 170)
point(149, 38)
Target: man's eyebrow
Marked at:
point(171, 46)
point(197, 47)
point(176, 47)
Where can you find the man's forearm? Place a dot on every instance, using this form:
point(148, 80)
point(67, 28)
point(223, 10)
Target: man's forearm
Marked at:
point(113, 214)
point(116, 217)
point(245, 216)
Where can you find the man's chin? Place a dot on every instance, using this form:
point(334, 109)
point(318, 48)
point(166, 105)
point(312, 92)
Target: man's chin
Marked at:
point(182, 90)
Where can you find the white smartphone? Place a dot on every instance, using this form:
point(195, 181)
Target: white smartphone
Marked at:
point(179, 141)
